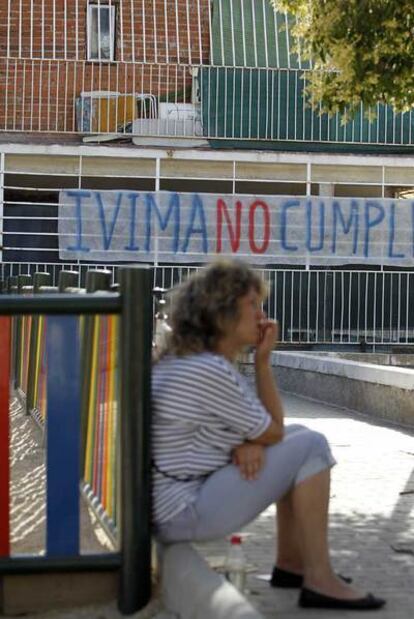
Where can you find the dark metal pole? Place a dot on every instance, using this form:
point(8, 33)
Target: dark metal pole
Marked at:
point(136, 342)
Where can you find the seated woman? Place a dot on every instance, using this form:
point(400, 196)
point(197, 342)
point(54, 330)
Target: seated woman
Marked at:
point(222, 454)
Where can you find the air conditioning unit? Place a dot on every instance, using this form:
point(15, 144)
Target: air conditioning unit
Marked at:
point(175, 121)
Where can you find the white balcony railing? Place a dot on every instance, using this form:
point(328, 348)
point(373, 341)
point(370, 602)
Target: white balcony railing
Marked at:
point(139, 100)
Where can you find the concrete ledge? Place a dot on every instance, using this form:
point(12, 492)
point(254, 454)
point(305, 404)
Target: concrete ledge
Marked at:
point(192, 590)
point(358, 370)
point(385, 392)
point(34, 593)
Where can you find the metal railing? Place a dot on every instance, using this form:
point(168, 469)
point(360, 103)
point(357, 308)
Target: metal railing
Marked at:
point(206, 70)
point(313, 306)
point(182, 100)
point(133, 306)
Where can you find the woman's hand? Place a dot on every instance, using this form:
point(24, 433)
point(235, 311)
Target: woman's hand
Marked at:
point(249, 459)
point(269, 336)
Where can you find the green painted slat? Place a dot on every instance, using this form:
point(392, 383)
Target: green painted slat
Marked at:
point(261, 104)
point(249, 33)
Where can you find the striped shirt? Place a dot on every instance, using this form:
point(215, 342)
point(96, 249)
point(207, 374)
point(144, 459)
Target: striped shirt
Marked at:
point(202, 409)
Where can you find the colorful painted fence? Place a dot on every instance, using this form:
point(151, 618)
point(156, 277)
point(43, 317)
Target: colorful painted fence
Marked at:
point(77, 345)
point(100, 395)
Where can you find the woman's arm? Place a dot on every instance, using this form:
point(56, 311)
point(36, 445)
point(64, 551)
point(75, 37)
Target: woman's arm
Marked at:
point(266, 385)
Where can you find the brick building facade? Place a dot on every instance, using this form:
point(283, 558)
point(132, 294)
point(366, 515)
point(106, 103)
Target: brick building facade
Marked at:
point(44, 63)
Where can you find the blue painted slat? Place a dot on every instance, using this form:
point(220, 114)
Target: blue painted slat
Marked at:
point(63, 435)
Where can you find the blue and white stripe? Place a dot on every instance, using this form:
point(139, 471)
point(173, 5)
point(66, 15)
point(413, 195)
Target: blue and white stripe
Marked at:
point(202, 409)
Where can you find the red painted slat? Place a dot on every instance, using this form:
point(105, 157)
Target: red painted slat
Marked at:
point(4, 435)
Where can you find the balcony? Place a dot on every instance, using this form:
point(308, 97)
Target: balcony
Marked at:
point(223, 105)
point(217, 72)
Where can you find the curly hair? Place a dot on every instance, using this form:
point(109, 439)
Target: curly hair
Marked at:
point(203, 305)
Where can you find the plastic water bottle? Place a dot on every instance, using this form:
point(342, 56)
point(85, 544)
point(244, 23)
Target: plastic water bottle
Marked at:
point(235, 565)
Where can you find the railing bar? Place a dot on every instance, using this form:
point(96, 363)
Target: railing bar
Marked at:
point(31, 28)
point(6, 98)
point(190, 56)
point(349, 306)
point(65, 31)
point(233, 62)
point(292, 281)
point(177, 31)
point(20, 28)
point(66, 95)
point(295, 113)
point(253, 7)
point(166, 34)
point(333, 306)
point(399, 305)
point(393, 126)
point(154, 18)
point(57, 98)
point(391, 304)
point(31, 96)
point(300, 307)
point(77, 29)
point(278, 105)
point(383, 276)
point(23, 94)
point(342, 306)
point(366, 305)
point(110, 303)
point(98, 19)
point(30, 565)
point(250, 101)
point(374, 321)
point(258, 108)
point(40, 91)
point(75, 74)
point(265, 33)
point(225, 100)
point(317, 306)
point(8, 27)
point(234, 118)
point(210, 33)
point(407, 319)
point(287, 39)
point(54, 30)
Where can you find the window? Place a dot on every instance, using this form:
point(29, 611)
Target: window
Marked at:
point(101, 31)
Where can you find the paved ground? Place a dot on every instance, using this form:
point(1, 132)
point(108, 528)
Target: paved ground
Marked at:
point(372, 526)
point(28, 492)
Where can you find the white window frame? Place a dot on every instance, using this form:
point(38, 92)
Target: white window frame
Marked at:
point(97, 6)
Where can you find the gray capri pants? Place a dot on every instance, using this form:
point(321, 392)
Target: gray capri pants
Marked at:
point(226, 502)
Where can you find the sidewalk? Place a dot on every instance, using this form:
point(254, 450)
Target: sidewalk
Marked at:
point(372, 525)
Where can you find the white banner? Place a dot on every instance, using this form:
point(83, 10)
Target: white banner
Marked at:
point(191, 227)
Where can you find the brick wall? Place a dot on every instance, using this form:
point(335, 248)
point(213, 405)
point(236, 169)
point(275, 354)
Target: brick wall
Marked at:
point(43, 56)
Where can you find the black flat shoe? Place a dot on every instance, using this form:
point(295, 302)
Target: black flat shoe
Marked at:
point(311, 599)
point(283, 579)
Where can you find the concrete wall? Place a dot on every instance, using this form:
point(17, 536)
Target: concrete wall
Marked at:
point(378, 390)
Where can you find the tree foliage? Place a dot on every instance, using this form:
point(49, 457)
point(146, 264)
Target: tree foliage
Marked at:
point(361, 51)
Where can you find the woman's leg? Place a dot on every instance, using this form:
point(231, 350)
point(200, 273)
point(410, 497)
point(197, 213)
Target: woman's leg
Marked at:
point(289, 552)
point(226, 501)
point(310, 502)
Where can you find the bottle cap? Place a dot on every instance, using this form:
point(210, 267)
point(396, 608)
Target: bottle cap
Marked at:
point(236, 539)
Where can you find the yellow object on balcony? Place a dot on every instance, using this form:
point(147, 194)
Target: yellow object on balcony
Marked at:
point(112, 112)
